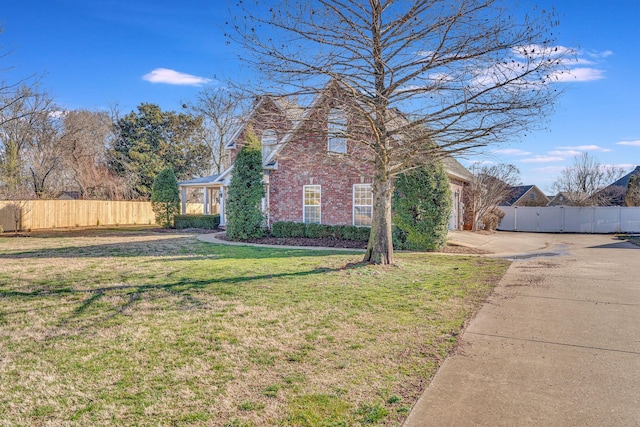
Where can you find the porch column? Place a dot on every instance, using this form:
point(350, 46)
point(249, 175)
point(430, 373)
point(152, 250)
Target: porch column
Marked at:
point(205, 201)
point(223, 215)
point(183, 203)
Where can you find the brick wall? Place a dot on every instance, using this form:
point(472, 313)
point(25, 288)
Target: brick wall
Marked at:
point(306, 161)
point(267, 116)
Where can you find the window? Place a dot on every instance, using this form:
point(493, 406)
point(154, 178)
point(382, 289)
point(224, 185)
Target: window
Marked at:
point(311, 210)
point(362, 204)
point(269, 141)
point(337, 129)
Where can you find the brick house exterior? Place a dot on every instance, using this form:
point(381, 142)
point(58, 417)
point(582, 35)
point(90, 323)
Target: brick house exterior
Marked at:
point(308, 177)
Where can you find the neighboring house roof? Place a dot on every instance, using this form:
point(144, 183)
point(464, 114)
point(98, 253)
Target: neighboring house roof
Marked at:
point(520, 191)
point(624, 181)
point(618, 190)
point(69, 195)
point(564, 197)
point(516, 194)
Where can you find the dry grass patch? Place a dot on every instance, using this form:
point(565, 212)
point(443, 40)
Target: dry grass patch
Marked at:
point(133, 327)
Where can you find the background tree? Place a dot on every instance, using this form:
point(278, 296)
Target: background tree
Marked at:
point(24, 122)
point(246, 190)
point(465, 73)
point(422, 206)
point(491, 185)
point(165, 197)
point(583, 182)
point(85, 137)
point(150, 140)
point(632, 197)
point(220, 110)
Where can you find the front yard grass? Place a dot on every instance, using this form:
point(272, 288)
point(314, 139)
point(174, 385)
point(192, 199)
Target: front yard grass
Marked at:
point(133, 327)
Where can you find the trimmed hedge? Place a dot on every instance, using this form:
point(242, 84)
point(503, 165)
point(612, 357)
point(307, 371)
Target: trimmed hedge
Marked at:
point(285, 229)
point(197, 221)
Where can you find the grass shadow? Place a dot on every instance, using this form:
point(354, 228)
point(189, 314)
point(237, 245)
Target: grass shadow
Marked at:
point(130, 294)
point(175, 248)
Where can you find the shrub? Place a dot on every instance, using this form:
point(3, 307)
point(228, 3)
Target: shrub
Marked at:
point(422, 206)
point(197, 221)
point(165, 197)
point(319, 231)
point(399, 238)
point(246, 191)
point(287, 229)
point(492, 218)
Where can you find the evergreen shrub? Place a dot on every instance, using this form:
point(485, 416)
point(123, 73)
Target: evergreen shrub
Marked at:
point(422, 207)
point(165, 197)
point(197, 221)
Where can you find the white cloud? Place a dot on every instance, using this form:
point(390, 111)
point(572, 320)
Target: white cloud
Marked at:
point(542, 159)
point(583, 74)
point(512, 152)
point(603, 54)
point(565, 153)
point(172, 77)
point(549, 169)
point(635, 143)
point(58, 114)
point(582, 148)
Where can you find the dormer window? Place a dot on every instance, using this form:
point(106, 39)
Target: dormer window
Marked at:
point(269, 142)
point(337, 130)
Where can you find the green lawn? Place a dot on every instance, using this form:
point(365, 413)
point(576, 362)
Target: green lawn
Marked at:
point(133, 327)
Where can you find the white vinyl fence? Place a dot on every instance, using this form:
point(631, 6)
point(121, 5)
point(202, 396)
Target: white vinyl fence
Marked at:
point(571, 219)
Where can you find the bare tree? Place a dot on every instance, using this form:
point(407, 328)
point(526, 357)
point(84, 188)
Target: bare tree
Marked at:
point(465, 73)
point(25, 117)
point(583, 183)
point(491, 185)
point(86, 136)
point(221, 109)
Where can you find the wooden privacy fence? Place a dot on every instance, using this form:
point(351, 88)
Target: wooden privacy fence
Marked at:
point(571, 219)
point(37, 214)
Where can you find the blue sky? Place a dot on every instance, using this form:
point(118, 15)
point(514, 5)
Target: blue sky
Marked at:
point(98, 53)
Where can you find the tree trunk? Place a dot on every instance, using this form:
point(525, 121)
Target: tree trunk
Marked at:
point(380, 246)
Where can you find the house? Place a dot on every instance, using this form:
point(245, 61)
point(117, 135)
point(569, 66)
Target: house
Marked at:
point(568, 198)
point(526, 195)
point(312, 173)
point(616, 192)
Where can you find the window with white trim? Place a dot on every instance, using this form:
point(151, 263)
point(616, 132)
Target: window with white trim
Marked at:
point(336, 131)
point(311, 209)
point(269, 141)
point(362, 204)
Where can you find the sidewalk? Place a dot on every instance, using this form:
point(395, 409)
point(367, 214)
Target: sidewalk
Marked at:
point(557, 344)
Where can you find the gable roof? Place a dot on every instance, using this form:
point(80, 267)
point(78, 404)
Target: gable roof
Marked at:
point(298, 114)
point(516, 193)
point(519, 191)
point(618, 190)
point(624, 181)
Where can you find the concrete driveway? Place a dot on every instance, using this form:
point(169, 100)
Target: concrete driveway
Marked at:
point(557, 344)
